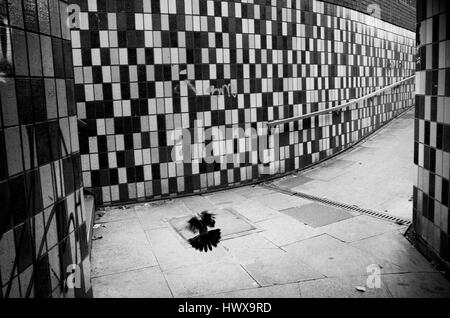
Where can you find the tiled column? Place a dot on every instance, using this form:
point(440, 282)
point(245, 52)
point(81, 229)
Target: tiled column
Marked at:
point(432, 131)
point(42, 224)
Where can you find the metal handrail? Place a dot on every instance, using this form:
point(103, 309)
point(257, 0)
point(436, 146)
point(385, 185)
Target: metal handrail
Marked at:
point(331, 109)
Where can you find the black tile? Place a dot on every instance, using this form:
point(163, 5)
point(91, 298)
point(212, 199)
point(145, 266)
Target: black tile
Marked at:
point(42, 279)
point(24, 101)
point(43, 143)
point(65, 257)
point(445, 192)
point(30, 14)
point(34, 192)
point(58, 58)
point(5, 212)
point(123, 192)
point(62, 222)
point(69, 182)
point(38, 99)
point(3, 158)
point(24, 246)
point(444, 246)
point(18, 202)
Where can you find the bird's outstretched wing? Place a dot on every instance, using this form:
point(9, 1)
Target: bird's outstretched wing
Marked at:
point(194, 225)
point(205, 242)
point(208, 218)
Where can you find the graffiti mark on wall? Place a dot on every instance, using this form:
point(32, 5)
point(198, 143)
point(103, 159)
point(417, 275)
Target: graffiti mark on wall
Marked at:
point(189, 86)
point(227, 90)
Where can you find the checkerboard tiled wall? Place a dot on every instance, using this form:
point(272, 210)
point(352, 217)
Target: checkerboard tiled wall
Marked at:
point(42, 223)
point(432, 131)
point(281, 58)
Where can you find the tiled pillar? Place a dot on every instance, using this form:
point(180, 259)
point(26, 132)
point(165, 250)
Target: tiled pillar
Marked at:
point(432, 131)
point(42, 224)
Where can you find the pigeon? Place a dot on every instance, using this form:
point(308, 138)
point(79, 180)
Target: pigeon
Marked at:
point(205, 239)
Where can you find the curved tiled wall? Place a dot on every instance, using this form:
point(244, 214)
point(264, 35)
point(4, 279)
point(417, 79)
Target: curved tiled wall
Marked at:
point(147, 70)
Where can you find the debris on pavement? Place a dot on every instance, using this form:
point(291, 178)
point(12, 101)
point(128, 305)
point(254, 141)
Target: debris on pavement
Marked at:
point(361, 289)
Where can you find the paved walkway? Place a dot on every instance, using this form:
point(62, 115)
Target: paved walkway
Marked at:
point(377, 174)
point(274, 245)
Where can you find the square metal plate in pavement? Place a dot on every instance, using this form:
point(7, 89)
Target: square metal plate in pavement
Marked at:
point(230, 222)
point(317, 215)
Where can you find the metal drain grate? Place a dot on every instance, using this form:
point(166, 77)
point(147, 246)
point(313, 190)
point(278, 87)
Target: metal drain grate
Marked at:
point(380, 215)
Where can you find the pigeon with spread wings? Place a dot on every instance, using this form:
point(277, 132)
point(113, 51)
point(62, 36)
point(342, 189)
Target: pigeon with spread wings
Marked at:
point(205, 239)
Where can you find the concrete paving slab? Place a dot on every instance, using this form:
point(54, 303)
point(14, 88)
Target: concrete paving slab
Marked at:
point(253, 191)
point(247, 248)
point(363, 149)
point(173, 253)
point(154, 217)
point(350, 191)
point(396, 248)
point(334, 258)
point(292, 182)
point(277, 291)
point(255, 211)
point(197, 203)
point(231, 223)
point(121, 257)
point(208, 278)
point(317, 215)
point(285, 230)
point(341, 287)
point(282, 269)
point(143, 283)
point(128, 230)
point(417, 285)
point(225, 198)
point(345, 193)
point(394, 206)
point(279, 201)
point(358, 228)
point(330, 170)
point(118, 214)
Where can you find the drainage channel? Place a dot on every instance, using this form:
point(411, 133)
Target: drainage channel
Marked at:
point(376, 214)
